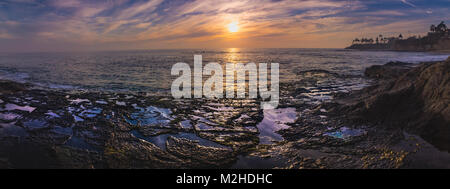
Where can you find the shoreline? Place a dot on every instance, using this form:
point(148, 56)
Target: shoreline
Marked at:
point(391, 50)
point(408, 96)
point(113, 130)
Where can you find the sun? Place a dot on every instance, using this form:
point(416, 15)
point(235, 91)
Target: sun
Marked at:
point(233, 27)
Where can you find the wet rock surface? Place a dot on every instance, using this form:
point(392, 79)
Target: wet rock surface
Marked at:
point(390, 70)
point(338, 132)
point(417, 100)
point(108, 130)
point(324, 120)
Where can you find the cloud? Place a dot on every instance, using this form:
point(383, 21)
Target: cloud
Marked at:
point(5, 35)
point(143, 25)
point(138, 8)
point(408, 3)
point(202, 23)
point(66, 3)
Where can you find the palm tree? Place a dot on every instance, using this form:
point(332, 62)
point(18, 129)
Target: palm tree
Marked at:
point(432, 28)
point(363, 40)
point(441, 28)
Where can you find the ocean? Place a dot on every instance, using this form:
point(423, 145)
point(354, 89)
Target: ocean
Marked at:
point(112, 100)
point(149, 70)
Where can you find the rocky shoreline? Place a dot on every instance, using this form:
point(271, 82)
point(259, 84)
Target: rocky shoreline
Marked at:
point(389, 124)
point(56, 129)
point(413, 98)
point(380, 126)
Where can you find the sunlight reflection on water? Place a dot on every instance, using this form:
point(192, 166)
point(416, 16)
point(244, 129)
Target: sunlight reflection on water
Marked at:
point(150, 70)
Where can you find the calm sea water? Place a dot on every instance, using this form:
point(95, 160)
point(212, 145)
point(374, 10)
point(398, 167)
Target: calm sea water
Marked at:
point(146, 71)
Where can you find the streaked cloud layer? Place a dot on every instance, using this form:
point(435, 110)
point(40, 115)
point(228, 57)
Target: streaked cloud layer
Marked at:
point(50, 25)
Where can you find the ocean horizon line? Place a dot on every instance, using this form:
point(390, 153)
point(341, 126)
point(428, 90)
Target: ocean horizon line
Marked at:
point(170, 49)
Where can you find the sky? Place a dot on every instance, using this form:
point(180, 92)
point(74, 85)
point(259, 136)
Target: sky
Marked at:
point(91, 25)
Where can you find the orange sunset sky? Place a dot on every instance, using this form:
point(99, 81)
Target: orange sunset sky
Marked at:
point(66, 25)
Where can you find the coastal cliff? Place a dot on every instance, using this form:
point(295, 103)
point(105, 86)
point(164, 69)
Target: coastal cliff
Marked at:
point(437, 39)
point(412, 44)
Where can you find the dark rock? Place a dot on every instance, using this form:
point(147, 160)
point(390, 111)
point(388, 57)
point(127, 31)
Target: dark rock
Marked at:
point(11, 87)
point(412, 98)
point(387, 71)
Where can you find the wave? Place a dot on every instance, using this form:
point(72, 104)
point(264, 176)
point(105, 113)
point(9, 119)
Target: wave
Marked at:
point(424, 58)
point(21, 77)
point(14, 76)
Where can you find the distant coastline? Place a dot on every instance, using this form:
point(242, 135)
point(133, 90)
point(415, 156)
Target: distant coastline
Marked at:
point(437, 39)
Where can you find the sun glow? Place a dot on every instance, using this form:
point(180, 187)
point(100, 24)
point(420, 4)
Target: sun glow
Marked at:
point(233, 27)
